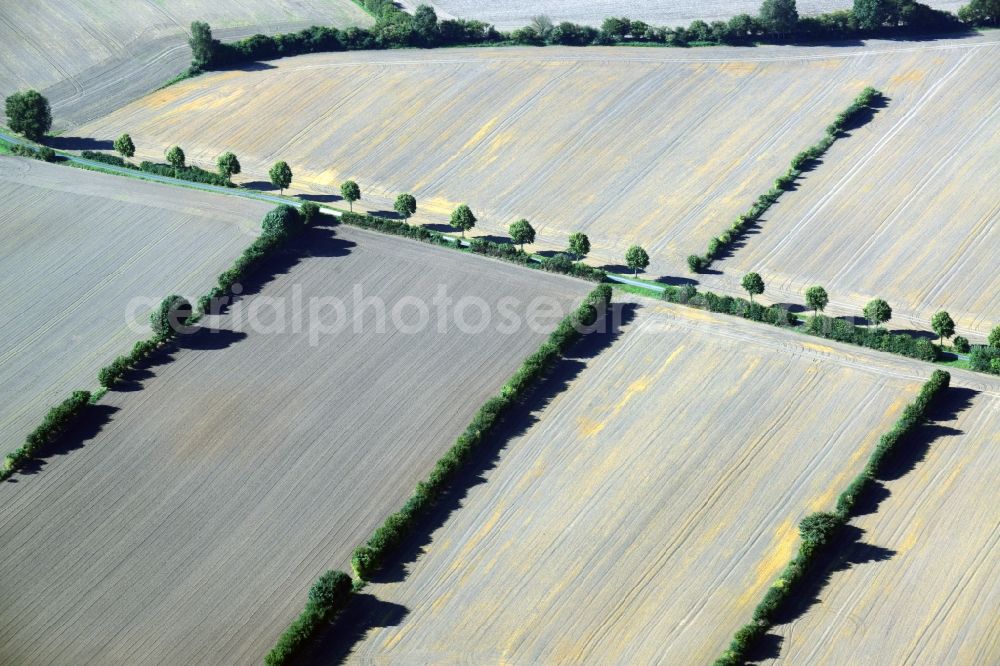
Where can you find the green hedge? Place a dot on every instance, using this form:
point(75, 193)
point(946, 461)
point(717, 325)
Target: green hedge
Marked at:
point(55, 423)
point(107, 159)
point(865, 99)
point(506, 251)
point(370, 557)
point(873, 338)
point(818, 530)
point(191, 173)
point(170, 309)
point(43, 153)
point(328, 596)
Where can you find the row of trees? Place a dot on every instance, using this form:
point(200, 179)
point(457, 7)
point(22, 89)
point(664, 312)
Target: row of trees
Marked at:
point(777, 19)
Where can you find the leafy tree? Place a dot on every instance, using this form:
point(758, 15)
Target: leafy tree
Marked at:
point(175, 157)
point(462, 218)
point(943, 325)
point(124, 146)
point(816, 298)
point(425, 26)
point(579, 245)
point(281, 175)
point(994, 338)
point(331, 590)
point(228, 165)
point(636, 258)
point(778, 16)
point(351, 192)
point(542, 25)
point(753, 283)
point(28, 114)
point(696, 263)
point(522, 232)
point(202, 46)
point(816, 529)
point(742, 26)
point(616, 28)
point(980, 12)
point(961, 344)
point(877, 311)
point(873, 14)
point(406, 205)
point(169, 318)
point(281, 220)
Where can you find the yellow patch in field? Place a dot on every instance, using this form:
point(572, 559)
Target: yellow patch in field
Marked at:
point(738, 68)
point(818, 348)
point(638, 386)
point(911, 76)
point(781, 550)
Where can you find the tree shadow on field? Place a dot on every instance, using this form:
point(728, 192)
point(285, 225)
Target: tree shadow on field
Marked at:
point(320, 198)
point(441, 228)
point(255, 66)
point(386, 214)
point(848, 550)
point(314, 241)
point(363, 612)
point(915, 333)
point(87, 427)
point(352, 626)
point(675, 281)
point(258, 185)
point(78, 143)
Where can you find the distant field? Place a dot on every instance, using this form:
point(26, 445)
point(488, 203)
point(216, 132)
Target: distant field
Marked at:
point(191, 527)
point(644, 514)
point(906, 211)
point(91, 57)
point(660, 147)
point(936, 599)
point(506, 14)
point(78, 246)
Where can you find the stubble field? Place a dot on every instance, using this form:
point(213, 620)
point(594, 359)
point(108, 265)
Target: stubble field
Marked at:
point(190, 528)
point(89, 58)
point(78, 247)
point(935, 599)
point(510, 14)
point(661, 148)
point(907, 213)
point(644, 514)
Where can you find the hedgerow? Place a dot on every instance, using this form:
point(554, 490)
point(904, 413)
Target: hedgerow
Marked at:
point(818, 529)
point(327, 597)
point(370, 557)
point(873, 338)
point(55, 423)
point(560, 263)
point(107, 159)
point(717, 245)
point(43, 153)
point(395, 28)
point(191, 173)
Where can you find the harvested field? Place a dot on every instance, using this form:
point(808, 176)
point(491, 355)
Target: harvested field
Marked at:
point(509, 14)
point(189, 529)
point(900, 210)
point(576, 140)
point(78, 247)
point(89, 58)
point(641, 518)
point(920, 586)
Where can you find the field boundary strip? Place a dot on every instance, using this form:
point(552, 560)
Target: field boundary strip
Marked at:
point(818, 531)
point(384, 543)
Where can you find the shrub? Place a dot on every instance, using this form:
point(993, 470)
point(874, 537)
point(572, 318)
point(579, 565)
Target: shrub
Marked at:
point(281, 221)
point(56, 422)
point(309, 211)
point(104, 157)
point(167, 320)
point(961, 344)
point(328, 596)
point(985, 359)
